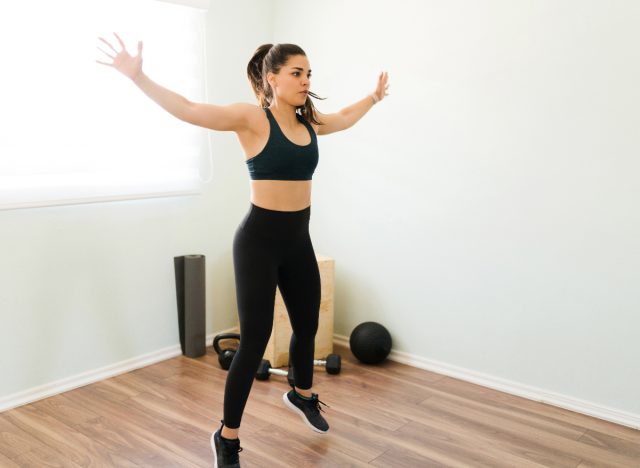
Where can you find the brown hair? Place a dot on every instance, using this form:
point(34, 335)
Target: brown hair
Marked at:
point(270, 58)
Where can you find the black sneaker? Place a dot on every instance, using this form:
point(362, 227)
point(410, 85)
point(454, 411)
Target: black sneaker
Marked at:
point(225, 451)
point(309, 410)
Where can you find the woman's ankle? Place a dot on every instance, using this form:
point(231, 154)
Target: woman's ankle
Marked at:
point(229, 433)
point(304, 393)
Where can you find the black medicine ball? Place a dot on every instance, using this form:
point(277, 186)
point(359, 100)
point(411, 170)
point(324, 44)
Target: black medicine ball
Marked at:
point(370, 342)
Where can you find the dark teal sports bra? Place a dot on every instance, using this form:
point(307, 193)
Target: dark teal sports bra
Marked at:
point(281, 159)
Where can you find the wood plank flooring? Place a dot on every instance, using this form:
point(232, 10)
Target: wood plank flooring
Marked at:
point(389, 415)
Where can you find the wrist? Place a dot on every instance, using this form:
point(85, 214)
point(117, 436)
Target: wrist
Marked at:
point(136, 79)
point(375, 99)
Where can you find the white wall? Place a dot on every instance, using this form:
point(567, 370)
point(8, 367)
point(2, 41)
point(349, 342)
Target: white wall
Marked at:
point(486, 212)
point(85, 286)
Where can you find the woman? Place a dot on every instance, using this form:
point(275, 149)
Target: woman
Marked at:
point(271, 246)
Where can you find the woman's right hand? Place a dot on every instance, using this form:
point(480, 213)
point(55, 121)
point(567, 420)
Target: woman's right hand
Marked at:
point(129, 66)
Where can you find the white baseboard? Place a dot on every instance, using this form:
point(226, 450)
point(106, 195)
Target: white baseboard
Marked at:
point(80, 380)
point(514, 388)
point(503, 385)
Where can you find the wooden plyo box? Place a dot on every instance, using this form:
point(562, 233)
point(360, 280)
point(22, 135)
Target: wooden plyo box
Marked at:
point(277, 350)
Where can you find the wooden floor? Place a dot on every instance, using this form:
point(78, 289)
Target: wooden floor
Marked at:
point(390, 415)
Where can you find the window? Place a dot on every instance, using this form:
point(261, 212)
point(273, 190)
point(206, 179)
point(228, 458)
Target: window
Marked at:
point(75, 131)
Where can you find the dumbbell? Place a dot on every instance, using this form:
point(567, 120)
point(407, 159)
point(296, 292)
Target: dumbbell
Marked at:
point(332, 363)
point(265, 371)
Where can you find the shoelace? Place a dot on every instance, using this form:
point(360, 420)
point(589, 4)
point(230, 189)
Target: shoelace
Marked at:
point(315, 401)
point(234, 451)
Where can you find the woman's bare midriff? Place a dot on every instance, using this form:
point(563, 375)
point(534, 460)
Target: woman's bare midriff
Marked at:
point(279, 195)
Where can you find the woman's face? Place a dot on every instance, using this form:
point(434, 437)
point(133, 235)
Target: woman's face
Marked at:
point(293, 81)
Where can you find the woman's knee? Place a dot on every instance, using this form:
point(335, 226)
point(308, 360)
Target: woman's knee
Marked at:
point(306, 331)
point(255, 334)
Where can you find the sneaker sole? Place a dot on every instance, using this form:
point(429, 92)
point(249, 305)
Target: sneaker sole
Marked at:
point(301, 414)
point(213, 447)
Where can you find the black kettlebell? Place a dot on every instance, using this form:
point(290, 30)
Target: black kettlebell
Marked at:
point(225, 356)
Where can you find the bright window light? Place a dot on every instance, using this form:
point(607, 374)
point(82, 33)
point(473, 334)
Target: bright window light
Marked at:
point(75, 131)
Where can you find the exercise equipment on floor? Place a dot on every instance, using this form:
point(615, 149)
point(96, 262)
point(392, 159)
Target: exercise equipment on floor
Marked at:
point(265, 370)
point(370, 342)
point(332, 365)
point(225, 355)
point(190, 298)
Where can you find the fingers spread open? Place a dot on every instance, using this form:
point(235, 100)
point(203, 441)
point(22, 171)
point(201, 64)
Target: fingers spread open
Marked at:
point(107, 42)
point(105, 53)
point(120, 41)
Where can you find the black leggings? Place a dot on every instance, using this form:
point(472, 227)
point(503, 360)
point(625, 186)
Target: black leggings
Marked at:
point(272, 248)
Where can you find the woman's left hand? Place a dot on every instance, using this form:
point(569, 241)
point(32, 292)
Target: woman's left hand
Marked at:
point(381, 89)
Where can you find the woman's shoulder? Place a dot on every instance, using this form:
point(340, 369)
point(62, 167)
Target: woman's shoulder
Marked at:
point(255, 115)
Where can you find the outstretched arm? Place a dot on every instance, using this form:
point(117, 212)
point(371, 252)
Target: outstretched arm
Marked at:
point(348, 116)
point(232, 117)
point(131, 67)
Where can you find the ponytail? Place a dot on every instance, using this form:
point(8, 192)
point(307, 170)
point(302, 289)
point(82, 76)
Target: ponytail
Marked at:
point(255, 69)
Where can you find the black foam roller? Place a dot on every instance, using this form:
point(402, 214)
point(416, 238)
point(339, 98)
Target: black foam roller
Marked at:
point(190, 295)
